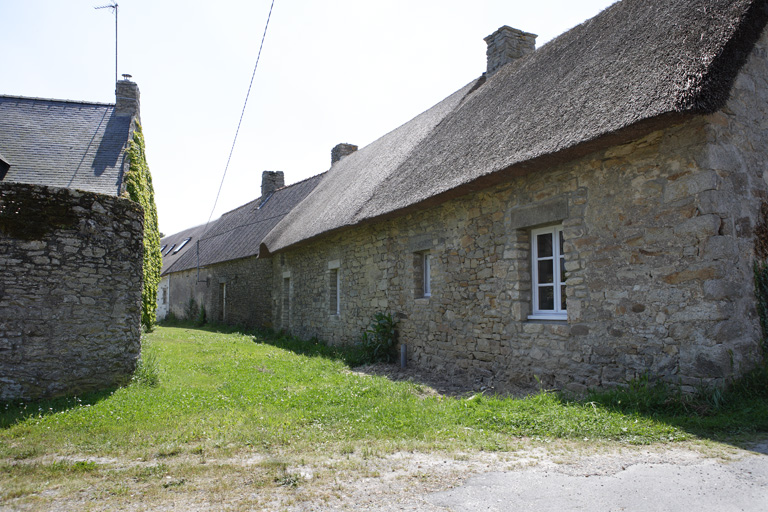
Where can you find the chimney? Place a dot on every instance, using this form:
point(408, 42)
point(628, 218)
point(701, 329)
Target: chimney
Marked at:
point(341, 150)
point(127, 97)
point(271, 181)
point(507, 44)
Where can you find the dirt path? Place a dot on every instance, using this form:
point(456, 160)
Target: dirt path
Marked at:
point(538, 476)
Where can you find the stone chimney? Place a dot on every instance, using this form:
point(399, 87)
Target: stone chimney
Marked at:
point(127, 97)
point(507, 44)
point(271, 181)
point(341, 150)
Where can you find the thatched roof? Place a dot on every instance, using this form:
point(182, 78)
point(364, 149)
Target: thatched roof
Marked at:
point(638, 65)
point(236, 234)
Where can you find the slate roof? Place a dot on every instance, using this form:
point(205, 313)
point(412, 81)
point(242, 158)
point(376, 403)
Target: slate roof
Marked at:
point(62, 143)
point(236, 234)
point(637, 66)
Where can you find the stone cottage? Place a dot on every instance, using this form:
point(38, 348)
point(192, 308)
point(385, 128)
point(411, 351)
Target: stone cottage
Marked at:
point(70, 248)
point(582, 213)
point(217, 267)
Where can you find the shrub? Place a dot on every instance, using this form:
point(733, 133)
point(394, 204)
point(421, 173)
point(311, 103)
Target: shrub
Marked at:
point(378, 341)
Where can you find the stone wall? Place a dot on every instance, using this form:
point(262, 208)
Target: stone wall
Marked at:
point(658, 247)
point(70, 291)
point(234, 292)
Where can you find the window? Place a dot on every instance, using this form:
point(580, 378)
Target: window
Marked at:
point(422, 274)
point(334, 287)
point(182, 245)
point(286, 300)
point(169, 250)
point(548, 272)
point(222, 302)
point(334, 300)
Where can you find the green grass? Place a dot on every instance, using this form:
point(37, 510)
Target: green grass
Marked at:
point(201, 391)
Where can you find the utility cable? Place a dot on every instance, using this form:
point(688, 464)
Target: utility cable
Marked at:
point(241, 119)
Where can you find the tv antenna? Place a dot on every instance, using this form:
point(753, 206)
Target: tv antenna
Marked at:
point(112, 6)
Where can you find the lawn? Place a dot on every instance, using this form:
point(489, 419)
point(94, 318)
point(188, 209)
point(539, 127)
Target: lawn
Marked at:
point(220, 395)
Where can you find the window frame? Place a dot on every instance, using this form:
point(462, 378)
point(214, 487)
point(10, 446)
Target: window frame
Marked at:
point(558, 264)
point(426, 274)
point(334, 289)
point(334, 282)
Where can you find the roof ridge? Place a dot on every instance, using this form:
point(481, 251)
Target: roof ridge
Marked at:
point(35, 98)
point(299, 182)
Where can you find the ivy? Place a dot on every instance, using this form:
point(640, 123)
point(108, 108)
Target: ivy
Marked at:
point(138, 187)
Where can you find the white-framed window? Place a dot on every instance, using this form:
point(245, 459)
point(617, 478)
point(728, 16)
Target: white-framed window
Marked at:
point(427, 278)
point(548, 274)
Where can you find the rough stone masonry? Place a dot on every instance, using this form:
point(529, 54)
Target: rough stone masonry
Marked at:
point(70, 291)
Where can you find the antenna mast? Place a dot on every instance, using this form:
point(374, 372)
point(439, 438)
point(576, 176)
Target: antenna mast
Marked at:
point(112, 6)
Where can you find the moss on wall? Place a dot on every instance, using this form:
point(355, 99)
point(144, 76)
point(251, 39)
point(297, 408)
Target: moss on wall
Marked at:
point(138, 187)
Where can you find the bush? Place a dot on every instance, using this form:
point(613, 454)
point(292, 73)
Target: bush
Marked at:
point(378, 341)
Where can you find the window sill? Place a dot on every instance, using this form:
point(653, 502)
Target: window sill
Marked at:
point(543, 316)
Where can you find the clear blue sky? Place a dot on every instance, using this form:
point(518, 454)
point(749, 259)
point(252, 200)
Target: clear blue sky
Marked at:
point(331, 71)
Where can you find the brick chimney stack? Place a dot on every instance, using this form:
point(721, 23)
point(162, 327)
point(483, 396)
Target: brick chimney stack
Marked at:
point(127, 97)
point(341, 150)
point(271, 181)
point(506, 45)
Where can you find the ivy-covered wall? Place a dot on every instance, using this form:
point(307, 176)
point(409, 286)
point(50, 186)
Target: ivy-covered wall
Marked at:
point(138, 187)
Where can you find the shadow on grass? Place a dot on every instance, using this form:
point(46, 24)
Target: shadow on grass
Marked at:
point(716, 413)
point(736, 415)
point(19, 411)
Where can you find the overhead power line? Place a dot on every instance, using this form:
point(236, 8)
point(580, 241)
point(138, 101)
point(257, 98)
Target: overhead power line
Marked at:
point(241, 119)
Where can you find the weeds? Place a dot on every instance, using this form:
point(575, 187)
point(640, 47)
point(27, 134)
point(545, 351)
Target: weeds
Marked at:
point(147, 371)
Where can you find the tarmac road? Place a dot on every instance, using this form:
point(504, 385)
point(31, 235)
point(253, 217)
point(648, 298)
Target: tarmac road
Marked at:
point(620, 483)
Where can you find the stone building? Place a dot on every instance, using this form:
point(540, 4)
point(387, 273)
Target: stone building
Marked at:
point(70, 247)
point(217, 267)
point(582, 213)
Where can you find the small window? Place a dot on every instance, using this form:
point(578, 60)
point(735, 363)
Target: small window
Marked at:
point(169, 250)
point(548, 273)
point(162, 249)
point(334, 297)
point(422, 274)
point(181, 246)
point(286, 301)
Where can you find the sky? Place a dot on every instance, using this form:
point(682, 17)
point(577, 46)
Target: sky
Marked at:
point(330, 71)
